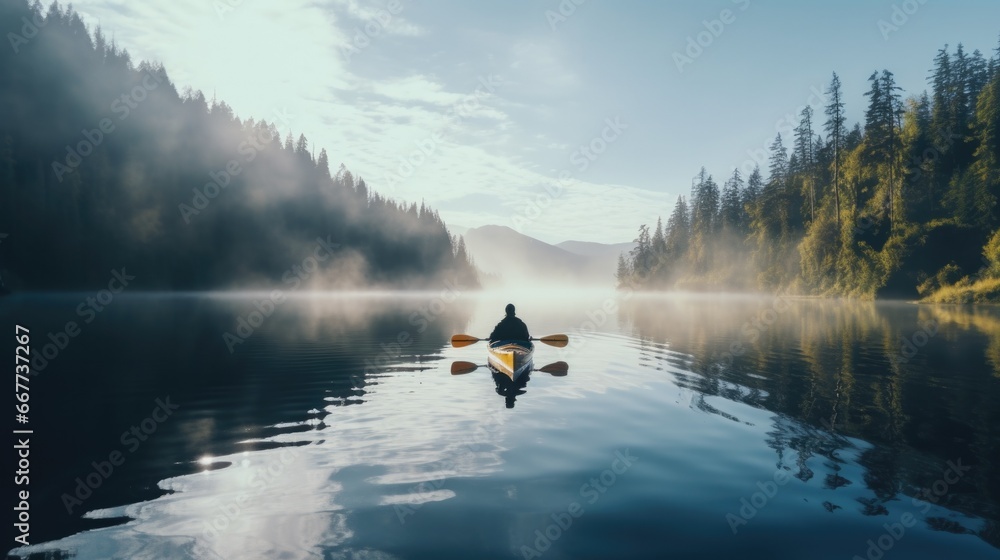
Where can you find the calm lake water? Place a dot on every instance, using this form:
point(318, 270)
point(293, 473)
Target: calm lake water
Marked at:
point(687, 427)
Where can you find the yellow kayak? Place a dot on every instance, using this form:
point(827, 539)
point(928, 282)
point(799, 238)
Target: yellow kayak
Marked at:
point(511, 358)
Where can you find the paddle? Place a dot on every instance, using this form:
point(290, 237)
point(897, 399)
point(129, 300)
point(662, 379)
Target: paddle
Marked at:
point(461, 368)
point(556, 369)
point(557, 340)
point(460, 340)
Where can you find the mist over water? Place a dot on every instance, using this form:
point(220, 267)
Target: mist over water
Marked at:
point(242, 345)
point(336, 428)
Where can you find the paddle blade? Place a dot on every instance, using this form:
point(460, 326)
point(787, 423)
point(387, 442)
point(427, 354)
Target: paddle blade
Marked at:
point(461, 368)
point(460, 340)
point(557, 340)
point(557, 369)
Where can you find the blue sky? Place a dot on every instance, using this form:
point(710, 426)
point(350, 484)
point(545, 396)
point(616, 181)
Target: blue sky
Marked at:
point(481, 109)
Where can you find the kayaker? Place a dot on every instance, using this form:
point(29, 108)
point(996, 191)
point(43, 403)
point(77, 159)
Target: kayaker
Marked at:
point(510, 327)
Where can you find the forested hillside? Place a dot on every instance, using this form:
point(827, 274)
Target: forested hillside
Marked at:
point(104, 165)
point(903, 205)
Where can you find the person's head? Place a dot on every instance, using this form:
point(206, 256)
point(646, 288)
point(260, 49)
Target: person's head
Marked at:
point(509, 309)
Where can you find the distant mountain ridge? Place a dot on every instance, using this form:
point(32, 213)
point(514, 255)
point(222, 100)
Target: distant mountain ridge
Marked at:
point(591, 249)
point(513, 256)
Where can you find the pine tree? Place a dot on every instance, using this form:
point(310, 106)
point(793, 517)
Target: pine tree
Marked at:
point(963, 104)
point(659, 243)
point(362, 190)
point(986, 164)
point(642, 255)
point(705, 205)
point(776, 195)
point(100, 44)
point(143, 174)
point(918, 155)
point(323, 164)
point(624, 272)
point(892, 116)
point(882, 140)
point(778, 162)
point(464, 264)
point(874, 130)
point(751, 195)
point(678, 231)
point(892, 171)
point(345, 180)
point(979, 75)
point(806, 156)
point(941, 87)
point(704, 220)
point(302, 147)
point(854, 138)
point(732, 205)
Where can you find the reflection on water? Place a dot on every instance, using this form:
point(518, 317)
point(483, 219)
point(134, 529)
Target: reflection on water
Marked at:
point(336, 429)
point(508, 388)
point(308, 352)
point(919, 382)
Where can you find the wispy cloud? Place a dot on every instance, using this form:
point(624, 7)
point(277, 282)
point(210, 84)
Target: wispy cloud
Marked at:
point(361, 11)
point(371, 113)
point(372, 109)
point(544, 66)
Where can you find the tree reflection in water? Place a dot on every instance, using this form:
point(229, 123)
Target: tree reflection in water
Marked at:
point(920, 384)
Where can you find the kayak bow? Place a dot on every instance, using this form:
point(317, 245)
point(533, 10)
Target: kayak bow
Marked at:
point(511, 358)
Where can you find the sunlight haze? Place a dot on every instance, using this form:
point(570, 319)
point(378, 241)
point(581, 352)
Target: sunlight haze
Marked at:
point(373, 99)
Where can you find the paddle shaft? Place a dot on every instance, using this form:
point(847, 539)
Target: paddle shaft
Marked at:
point(557, 369)
point(557, 340)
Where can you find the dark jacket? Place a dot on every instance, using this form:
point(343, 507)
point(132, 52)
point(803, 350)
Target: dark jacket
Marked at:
point(510, 328)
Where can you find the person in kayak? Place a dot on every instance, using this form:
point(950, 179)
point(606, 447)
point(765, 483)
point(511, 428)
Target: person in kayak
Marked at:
point(510, 327)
